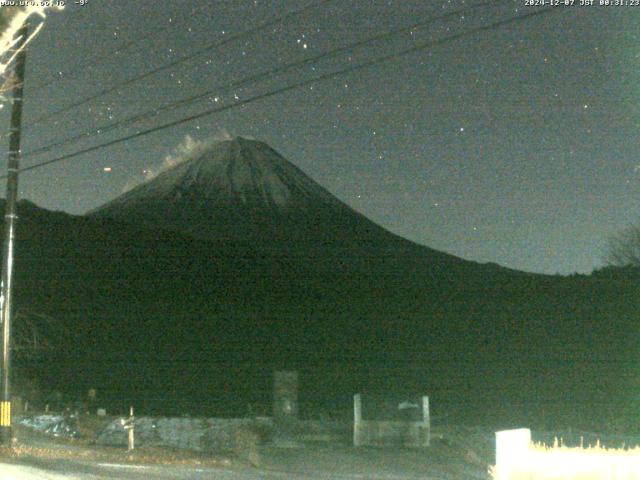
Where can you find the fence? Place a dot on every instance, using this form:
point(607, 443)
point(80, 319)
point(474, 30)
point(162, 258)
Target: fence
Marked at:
point(380, 432)
point(517, 457)
point(199, 434)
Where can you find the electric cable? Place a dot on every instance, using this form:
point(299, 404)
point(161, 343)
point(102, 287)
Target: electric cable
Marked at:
point(321, 78)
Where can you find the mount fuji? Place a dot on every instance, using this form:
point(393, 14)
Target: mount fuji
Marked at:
point(198, 283)
point(244, 192)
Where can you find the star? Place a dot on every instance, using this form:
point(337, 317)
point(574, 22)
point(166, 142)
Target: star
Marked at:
point(521, 122)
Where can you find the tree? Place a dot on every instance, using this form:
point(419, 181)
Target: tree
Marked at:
point(624, 248)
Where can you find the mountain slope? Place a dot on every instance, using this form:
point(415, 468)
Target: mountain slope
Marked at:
point(174, 324)
point(185, 293)
point(243, 191)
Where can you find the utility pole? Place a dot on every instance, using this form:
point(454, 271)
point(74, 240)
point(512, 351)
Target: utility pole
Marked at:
point(10, 217)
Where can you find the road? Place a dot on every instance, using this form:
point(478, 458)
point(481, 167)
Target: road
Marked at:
point(43, 458)
point(68, 470)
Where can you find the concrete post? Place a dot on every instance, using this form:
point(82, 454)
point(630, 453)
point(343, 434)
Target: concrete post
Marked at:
point(285, 395)
point(357, 419)
point(426, 419)
point(131, 442)
point(285, 408)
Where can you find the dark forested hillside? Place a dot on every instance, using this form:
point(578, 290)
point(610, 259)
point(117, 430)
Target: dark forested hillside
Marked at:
point(177, 324)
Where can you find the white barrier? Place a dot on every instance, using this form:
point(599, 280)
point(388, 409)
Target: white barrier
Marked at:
point(518, 458)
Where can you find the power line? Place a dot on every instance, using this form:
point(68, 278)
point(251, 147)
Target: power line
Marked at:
point(321, 78)
point(101, 58)
point(172, 64)
point(239, 83)
point(293, 86)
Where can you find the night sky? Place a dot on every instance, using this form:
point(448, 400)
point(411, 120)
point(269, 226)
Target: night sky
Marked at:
point(516, 145)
